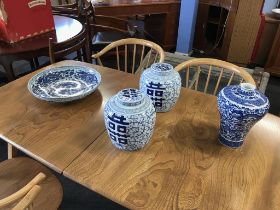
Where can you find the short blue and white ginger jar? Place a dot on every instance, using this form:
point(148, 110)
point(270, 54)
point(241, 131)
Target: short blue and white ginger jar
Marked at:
point(240, 107)
point(162, 84)
point(129, 119)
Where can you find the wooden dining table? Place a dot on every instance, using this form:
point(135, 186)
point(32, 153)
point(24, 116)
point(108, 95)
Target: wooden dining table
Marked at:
point(182, 167)
point(65, 29)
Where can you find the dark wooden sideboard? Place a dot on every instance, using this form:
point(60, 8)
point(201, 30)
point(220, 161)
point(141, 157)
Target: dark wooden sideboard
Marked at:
point(161, 17)
point(273, 62)
point(211, 18)
point(241, 20)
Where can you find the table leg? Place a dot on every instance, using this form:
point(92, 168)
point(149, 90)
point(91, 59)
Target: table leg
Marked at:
point(32, 64)
point(36, 61)
point(12, 151)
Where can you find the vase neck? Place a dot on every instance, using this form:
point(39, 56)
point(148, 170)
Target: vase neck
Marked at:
point(247, 88)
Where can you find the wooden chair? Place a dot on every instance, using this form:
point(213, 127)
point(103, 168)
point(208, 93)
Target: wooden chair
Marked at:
point(58, 51)
point(26, 184)
point(61, 3)
point(102, 30)
point(105, 30)
point(144, 48)
point(214, 70)
point(69, 10)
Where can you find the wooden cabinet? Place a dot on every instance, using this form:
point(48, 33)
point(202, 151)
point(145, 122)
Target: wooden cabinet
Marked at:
point(211, 34)
point(273, 62)
point(233, 37)
point(161, 17)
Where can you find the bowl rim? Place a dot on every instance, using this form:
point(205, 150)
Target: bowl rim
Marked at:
point(69, 98)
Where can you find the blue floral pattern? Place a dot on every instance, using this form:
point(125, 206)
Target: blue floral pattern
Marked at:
point(162, 84)
point(129, 119)
point(240, 106)
point(64, 84)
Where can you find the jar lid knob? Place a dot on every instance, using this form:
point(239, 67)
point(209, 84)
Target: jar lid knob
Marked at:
point(161, 68)
point(130, 97)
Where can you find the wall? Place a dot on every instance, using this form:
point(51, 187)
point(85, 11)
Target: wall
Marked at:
point(187, 25)
point(269, 5)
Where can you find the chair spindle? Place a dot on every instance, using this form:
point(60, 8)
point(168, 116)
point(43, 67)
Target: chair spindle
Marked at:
point(150, 52)
point(230, 80)
point(218, 82)
point(142, 54)
point(118, 58)
point(197, 78)
point(208, 79)
point(99, 61)
point(156, 57)
point(134, 53)
point(125, 57)
point(187, 76)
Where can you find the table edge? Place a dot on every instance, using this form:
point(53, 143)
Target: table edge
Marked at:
point(39, 159)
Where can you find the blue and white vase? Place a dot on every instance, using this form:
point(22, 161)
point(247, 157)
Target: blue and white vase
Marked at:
point(162, 84)
point(240, 107)
point(129, 119)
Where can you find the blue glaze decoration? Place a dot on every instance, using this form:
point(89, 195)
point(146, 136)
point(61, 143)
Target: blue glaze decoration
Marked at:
point(162, 84)
point(240, 107)
point(64, 84)
point(129, 119)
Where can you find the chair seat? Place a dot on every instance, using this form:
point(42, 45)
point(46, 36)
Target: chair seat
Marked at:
point(17, 172)
point(102, 39)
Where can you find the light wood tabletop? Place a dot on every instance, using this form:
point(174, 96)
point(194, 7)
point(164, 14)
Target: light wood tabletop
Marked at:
point(53, 133)
point(184, 166)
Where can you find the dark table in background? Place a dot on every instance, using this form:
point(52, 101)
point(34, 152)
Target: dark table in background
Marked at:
point(65, 28)
point(161, 17)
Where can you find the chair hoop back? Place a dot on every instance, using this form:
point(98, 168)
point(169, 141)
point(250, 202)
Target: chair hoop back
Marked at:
point(155, 53)
point(214, 65)
point(24, 191)
point(59, 50)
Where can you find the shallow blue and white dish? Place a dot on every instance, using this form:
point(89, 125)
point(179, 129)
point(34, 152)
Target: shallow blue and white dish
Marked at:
point(64, 84)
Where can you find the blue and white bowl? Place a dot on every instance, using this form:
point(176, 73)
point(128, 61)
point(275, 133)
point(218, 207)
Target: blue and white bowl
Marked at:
point(162, 84)
point(64, 84)
point(240, 107)
point(129, 119)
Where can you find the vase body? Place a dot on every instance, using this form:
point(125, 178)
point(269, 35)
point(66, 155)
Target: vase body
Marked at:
point(240, 107)
point(162, 84)
point(129, 119)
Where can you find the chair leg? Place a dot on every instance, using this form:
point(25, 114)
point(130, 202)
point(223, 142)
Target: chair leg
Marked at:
point(36, 61)
point(32, 64)
point(79, 55)
point(12, 151)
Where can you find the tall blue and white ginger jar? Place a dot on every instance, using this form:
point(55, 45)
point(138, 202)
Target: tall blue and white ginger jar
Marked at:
point(240, 107)
point(129, 119)
point(162, 84)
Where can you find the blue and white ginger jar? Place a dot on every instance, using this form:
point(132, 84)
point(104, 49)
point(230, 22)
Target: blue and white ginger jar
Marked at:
point(162, 84)
point(129, 119)
point(240, 107)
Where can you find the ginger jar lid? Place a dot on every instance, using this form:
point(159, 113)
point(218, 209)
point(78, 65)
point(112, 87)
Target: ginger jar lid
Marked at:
point(130, 97)
point(162, 69)
point(245, 95)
